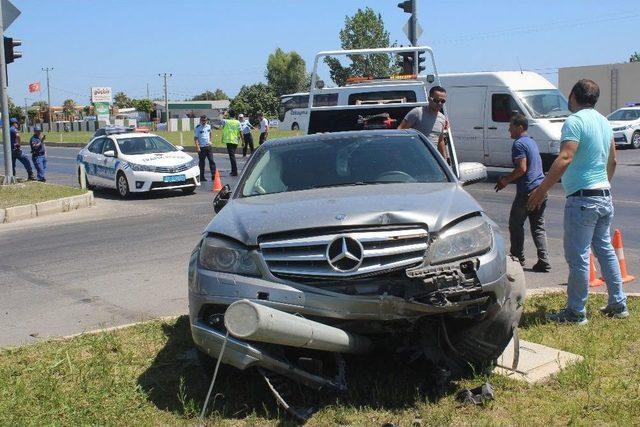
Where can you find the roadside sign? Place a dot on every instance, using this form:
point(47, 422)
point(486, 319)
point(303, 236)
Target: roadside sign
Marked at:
point(101, 94)
point(407, 27)
point(9, 13)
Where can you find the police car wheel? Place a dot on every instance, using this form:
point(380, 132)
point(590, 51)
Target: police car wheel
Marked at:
point(86, 181)
point(122, 185)
point(635, 139)
point(295, 126)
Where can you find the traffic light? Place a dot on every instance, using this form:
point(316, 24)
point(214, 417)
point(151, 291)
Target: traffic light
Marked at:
point(406, 6)
point(405, 62)
point(9, 53)
point(421, 67)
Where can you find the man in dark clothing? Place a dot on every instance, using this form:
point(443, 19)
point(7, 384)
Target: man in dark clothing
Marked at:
point(527, 174)
point(39, 153)
point(16, 151)
point(202, 142)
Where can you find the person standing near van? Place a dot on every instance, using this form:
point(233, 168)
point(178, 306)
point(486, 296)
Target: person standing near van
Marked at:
point(202, 141)
point(528, 175)
point(39, 153)
point(430, 121)
point(247, 138)
point(231, 135)
point(586, 164)
point(264, 128)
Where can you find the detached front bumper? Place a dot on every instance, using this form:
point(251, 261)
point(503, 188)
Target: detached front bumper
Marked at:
point(152, 181)
point(210, 293)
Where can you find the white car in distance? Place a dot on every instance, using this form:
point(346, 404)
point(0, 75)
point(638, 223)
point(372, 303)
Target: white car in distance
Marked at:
point(134, 162)
point(626, 126)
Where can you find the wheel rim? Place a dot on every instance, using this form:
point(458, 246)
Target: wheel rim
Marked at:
point(122, 186)
point(635, 139)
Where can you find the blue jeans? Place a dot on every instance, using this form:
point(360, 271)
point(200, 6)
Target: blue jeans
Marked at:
point(587, 221)
point(22, 158)
point(40, 162)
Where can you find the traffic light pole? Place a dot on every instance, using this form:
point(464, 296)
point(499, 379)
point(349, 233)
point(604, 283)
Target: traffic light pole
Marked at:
point(414, 34)
point(4, 101)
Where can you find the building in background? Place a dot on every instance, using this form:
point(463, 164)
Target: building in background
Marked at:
point(619, 83)
point(191, 109)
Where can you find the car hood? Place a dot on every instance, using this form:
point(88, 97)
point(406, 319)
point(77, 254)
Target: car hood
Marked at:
point(434, 205)
point(173, 158)
point(621, 123)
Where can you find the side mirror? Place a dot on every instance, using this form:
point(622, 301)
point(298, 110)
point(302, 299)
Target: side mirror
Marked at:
point(109, 153)
point(222, 198)
point(179, 147)
point(470, 172)
point(431, 78)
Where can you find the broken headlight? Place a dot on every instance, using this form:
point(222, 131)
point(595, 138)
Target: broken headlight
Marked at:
point(227, 256)
point(467, 238)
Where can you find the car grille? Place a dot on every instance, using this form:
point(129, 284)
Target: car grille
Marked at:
point(377, 251)
point(173, 169)
point(156, 185)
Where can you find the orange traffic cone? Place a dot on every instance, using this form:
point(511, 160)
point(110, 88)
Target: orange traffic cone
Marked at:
point(617, 246)
point(593, 281)
point(217, 184)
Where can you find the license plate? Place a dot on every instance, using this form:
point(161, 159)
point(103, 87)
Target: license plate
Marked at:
point(174, 178)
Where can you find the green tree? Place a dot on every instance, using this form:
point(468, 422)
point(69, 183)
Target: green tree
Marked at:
point(365, 30)
point(121, 100)
point(216, 95)
point(635, 57)
point(16, 111)
point(255, 98)
point(69, 108)
point(144, 105)
point(286, 72)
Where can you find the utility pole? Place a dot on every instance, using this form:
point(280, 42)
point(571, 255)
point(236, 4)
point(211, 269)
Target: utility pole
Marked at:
point(4, 101)
point(26, 113)
point(148, 91)
point(166, 98)
point(48, 95)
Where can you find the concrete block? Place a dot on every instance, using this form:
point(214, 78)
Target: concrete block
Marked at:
point(49, 207)
point(92, 201)
point(537, 362)
point(70, 203)
point(18, 213)
point(2, 215)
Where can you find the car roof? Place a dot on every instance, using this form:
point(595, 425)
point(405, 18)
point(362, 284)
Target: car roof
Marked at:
point(333, 136)
point(131, 135)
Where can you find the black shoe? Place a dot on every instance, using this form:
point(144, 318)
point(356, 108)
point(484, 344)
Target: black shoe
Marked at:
point(541, 267)
point(203, 179)
point(520, 259)
point(233, 174)
point(32, 177)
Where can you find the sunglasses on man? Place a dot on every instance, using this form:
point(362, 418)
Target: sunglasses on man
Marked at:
point(439, 100)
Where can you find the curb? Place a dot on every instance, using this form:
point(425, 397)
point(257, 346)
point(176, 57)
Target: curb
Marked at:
point(187, 148)
point(49, 207)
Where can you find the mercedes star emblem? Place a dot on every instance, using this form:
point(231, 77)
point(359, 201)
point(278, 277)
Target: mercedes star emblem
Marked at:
point(345, 254)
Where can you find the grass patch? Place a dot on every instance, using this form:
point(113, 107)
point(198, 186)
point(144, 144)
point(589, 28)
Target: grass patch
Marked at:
point(147, 375)
point(54, 138)
point(34, 192)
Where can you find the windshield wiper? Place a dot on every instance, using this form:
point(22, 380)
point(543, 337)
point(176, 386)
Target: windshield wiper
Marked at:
point(353, 184)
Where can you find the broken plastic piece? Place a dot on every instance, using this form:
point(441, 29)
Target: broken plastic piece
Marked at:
point(476, 396)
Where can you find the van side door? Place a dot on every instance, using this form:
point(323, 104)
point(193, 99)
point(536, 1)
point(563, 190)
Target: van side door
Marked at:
point(498, 142)
point(465, 108)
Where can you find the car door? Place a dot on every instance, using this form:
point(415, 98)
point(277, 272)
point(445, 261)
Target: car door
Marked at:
point(465, 108)
point(90, 160)
point(109, 164)
point(498, 142)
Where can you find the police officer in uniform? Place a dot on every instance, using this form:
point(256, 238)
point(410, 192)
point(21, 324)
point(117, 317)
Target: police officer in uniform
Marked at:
point(230, 137)
point(247, 138)
point(39, 153)
point(202, 141)
point(16, 151)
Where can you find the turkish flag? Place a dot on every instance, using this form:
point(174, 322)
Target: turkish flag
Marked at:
point(34, 87)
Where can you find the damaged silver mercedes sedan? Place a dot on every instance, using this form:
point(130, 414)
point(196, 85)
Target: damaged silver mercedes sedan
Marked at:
point(351, 242)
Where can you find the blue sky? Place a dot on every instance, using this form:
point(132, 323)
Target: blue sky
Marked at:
point(214, 44)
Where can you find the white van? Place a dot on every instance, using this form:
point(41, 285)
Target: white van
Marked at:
point(479, 106)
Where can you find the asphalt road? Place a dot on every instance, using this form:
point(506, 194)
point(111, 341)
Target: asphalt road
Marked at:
point(125, 261)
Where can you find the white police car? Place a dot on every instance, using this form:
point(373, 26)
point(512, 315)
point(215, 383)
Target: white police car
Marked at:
point(626, 126)
point(137, 162)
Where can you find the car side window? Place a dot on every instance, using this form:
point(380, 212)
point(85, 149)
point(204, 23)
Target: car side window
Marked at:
point(108, 145)
point(96, 146)
point(502, 107)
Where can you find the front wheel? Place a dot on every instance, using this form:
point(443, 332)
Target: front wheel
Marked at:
point(295, 126)
point(86, 180)
point(122, 185)
point(635, 139)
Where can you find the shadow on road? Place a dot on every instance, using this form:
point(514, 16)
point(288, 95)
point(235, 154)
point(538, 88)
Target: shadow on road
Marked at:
point(176, 382)
point(111, 194)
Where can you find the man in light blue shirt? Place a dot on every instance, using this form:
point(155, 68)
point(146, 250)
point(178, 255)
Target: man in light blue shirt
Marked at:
point(586, 163)
point(202, 141)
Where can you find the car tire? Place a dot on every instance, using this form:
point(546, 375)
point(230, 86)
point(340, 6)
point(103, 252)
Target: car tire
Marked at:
point(476, 346)
point(189, 190)
point(295, 126)
point(122, 185)
point(86, 180)
point(635, 140)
